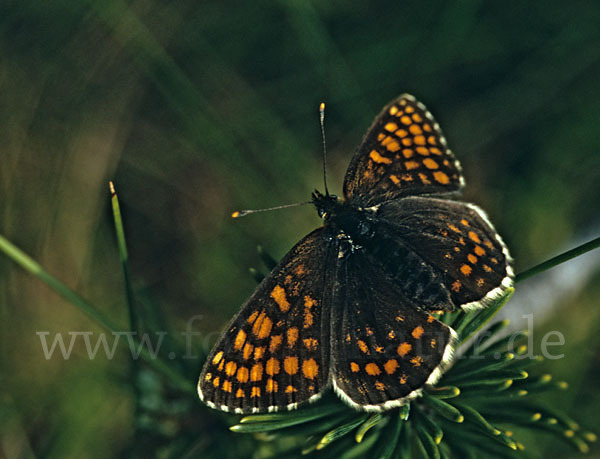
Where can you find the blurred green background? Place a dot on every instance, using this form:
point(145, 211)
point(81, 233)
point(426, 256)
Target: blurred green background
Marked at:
point(196, 109)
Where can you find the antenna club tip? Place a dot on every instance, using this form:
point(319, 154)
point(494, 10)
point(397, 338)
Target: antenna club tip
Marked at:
point(322, 106)
point(111, 186)
point(235, 214)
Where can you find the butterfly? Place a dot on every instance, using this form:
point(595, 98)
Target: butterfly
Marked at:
point(351, 306)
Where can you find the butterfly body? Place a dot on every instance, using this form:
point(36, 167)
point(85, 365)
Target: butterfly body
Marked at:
point(350, 305)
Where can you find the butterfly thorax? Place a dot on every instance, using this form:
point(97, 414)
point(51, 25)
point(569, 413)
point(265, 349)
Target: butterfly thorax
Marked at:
point(344, 219)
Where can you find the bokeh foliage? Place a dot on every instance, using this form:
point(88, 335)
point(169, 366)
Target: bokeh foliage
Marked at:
point(195, 109)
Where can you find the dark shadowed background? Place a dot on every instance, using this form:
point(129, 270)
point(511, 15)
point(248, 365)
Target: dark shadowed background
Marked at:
point(195, 109)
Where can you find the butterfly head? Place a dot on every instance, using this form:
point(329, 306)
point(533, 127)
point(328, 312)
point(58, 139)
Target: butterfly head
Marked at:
point(325, 203)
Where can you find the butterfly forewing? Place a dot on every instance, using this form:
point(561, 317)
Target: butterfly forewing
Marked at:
point(403, 153)
point(275, 352)
point(386, 349)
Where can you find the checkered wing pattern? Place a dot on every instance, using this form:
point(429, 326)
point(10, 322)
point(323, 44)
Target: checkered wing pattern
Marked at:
point(275, 352)
point(385, 349)
point(459, 244)
point(403, 153)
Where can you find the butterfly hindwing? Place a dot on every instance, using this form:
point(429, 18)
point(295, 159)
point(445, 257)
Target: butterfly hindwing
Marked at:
point(386, 349)
point(458, 242)
point(275, 352)
point(403, 153)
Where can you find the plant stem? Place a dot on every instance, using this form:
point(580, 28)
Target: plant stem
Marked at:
point(34, 268)
point(557, 260)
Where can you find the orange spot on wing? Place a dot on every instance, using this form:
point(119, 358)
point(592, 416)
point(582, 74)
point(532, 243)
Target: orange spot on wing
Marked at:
point(290, 389)
point(472, 258)
point(419, 140)
point(379, 385)
point(441, 177)
point(479, 250)
point(403, 379)
point(256, 372)
point(227, 386)
point(424, 179)
point(230, 368)
point(239, 340)
point(487, 269)
point(275, 343)
point(272, 367)
point(308, 319)
point(430, 163)
point(372, 369)
point(278, 294)
point(216, 382)
point(259, 352)
point(247, 352)
point(473, 236)
point(415, 129)
point(363, 346)
point(255, 392)
point(271, 386)
point(430, 318)
point(354, 368)
point(292, 336)
point(416, 361)
point(456, 285)
point(217, 358)
point(453, 228)
point(435, 151)
point(431, 140)
point(403, 349)
point(401, 133)
point(390, 127)
point(299, 270)
point(466, 269)
point(405, 120)
point(311, 344)
point(407, 153)
point(417, 332)
point(310, 368)
point(394, 179)
point(417, 118)
point(422, 151)
point(240, 394)
point(390, 366)
point(393, 110)
point(376, 157)
point(242, 374)
point(252, 317)
point(410, 165)
point(393, 147)
point(290, 365)
point(432, 343)
point(480, 282)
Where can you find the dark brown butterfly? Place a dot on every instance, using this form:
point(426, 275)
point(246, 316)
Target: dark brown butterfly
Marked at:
point(350, 305)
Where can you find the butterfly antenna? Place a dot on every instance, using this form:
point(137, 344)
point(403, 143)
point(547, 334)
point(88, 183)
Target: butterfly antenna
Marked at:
point(322, 122)
point(243, 213)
